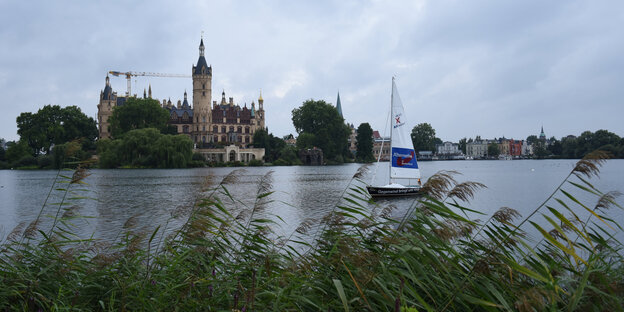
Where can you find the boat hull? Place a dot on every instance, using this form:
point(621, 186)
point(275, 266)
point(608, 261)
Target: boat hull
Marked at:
point(375, 191)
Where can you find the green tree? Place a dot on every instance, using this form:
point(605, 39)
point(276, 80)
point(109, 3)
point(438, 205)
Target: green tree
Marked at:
point(53, 125)
point(272, 145)
point(462, 145)
point(423, 137)
point(532, 139)
point(322, 120)
point(555, 148)
point(2, 150)
point(364, 143)
point(17, 150)
point(146, 148)
point(138, 113)
point(540, 150)
point(306, 140)
point(493, 150)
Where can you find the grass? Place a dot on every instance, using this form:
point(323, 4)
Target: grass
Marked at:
point(433, 258)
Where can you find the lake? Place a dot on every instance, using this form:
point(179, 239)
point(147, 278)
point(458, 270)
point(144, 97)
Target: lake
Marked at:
point(151, 196)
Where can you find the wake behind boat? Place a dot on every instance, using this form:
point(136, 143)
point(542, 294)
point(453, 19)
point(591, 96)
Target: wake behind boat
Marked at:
point(403, 164)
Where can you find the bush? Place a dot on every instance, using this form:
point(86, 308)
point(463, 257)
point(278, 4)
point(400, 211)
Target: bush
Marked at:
point(45, 161)
point(25, 161)
point(255, 163)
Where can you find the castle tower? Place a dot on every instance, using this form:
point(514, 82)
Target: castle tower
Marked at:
point(202, 94)
point(260, 113)
point(108, 99)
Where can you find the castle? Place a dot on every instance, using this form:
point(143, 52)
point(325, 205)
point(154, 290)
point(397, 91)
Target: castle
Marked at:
point(221, 131)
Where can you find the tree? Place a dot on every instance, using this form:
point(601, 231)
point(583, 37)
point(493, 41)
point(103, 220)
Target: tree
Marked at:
point(364, 143)
point(2, 150)
point(146, 148)
point(138, 113)
point(532, 139)
point(493, 150)
point(53, 125)
point(462, 145)
point(423, 137)
point(322, 120)
point(272, 145)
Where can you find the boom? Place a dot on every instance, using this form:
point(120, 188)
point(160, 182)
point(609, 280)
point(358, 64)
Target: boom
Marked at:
point(132, 73)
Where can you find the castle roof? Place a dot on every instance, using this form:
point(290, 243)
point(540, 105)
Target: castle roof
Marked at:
point(107, 94)
point(202, 67)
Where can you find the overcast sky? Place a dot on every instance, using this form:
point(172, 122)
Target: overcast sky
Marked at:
point(489, 68)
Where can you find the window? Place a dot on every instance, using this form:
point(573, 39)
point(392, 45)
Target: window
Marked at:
point(203, 128)
point(215, 129)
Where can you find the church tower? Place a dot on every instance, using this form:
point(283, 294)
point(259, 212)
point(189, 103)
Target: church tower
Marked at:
point(202, 94)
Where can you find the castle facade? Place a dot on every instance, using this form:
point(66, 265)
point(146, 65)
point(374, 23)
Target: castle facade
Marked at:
point(210, 124)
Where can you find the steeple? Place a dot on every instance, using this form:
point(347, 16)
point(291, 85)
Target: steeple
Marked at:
point(338, 106)
point(149, 91)
point(260, 101)
point(542, 136)
point(202, 67)
point(144, 93)
point(107, 94)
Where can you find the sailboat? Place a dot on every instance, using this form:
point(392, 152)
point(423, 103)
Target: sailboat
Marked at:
point(403, 164)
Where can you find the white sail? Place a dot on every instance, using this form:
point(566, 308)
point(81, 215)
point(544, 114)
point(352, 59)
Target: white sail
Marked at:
point(403, 156)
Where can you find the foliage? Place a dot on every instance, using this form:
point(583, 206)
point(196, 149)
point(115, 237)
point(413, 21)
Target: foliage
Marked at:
point(146, 148)
point(16, 151)
point(138, 113)
point(329, 131)
point(429, 258)
point(493, 150)
point(423, 137)
point(53, 125)
point(2, 150)
point(462, 145)
point(272, 145)
point(306, 140)
point(364, 143)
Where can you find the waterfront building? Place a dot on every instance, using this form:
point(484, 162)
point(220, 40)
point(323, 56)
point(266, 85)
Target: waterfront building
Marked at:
point(209, 124)
point(515, 148)
point(503, 146)
point(449, 150)
point(381, 145)
point(477, 149)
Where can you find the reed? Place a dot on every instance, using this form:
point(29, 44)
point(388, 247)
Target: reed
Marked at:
point(433, 258)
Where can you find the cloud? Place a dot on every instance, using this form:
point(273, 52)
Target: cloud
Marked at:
point(468, 68)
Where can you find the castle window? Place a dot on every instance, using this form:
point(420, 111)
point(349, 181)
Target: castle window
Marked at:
point(239, 130)
point(223, 138)
point(223, 129)
point(203, 86)
point(215, 129)
point(231, 129)
point(203, 93)
point(204, 119)
point(204, 128)
point(185, 129)
point(246, 129)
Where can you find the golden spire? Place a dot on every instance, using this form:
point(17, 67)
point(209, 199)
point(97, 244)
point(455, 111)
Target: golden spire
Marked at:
point(260, 98)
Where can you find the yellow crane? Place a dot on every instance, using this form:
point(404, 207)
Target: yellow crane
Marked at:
point(132, 73)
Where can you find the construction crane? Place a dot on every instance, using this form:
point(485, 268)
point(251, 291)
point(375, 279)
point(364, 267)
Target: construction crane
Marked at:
point(132, 73)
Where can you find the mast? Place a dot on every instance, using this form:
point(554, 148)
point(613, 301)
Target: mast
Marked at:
point(391, 114)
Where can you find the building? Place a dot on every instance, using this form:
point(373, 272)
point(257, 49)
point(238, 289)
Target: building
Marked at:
point(381, 145)
point(477, 149)
point(449, 150)
point(209, 124)
point(515, 148)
